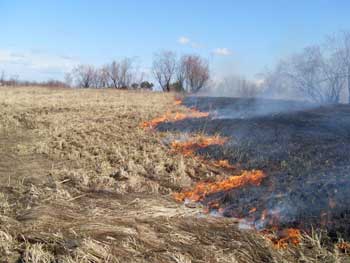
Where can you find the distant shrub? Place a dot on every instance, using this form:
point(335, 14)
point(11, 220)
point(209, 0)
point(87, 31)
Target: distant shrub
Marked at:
point(146, 85)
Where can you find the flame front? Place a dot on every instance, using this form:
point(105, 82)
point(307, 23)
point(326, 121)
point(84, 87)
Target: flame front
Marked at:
point(188, 147)
point(285, 237)
point(281, 238)
point(223, 164)
point(201, 190)
point(177, 116)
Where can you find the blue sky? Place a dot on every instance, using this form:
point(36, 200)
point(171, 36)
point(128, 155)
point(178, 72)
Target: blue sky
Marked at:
point(43, 39)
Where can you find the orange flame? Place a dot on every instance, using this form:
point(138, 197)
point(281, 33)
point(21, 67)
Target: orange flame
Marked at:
point(252, 210)
point(263, 215)
point(288, 236)
point(178, 116)
point(178, 102)
point(344, 245)
point(188, 147)
point(223, 164)
point(203, 189)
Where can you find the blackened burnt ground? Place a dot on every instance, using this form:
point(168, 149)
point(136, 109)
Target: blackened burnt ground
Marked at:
point(303, 148)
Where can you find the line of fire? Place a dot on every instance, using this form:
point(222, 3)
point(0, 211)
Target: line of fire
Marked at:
point(275, 178)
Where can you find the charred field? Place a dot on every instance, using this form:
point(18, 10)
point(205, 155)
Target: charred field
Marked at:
point(82, 179)
point(303, 148)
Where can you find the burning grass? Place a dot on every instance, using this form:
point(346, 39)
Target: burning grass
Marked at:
point(178, 102)
point(189, 146)
point(284, 238)
point(304, 153)
point(201, 190)
point(80, 181)
point(171, 117)
point(223, 164)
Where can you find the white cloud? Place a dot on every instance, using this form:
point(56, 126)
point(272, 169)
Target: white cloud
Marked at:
point(36, 63)
point(184, 40)
point(222, 51)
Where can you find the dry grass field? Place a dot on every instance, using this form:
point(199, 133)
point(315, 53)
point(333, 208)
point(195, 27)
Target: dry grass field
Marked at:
point(81, 181)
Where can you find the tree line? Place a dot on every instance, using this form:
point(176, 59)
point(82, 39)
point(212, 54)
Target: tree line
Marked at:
point(13, 81)
point(117, 74)
point(319, 73)
point(189, 73)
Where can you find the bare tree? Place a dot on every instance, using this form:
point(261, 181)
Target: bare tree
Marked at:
point(2, 78)
point(68, 79)
point(181, 73)
point(334, 78)
point(314, 75)
point(164, 67)
point(304, 70)
point(84, 75)
point(276, 85)
point(339, 46)
point(196, 72)
point(96, 78)
point(237, 86)
point(125, 73)
point(13, 80)
point(104, 77)
point(113, 73)
point(120, 73)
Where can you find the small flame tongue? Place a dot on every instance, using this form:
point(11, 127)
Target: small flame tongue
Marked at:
point(188, 147)
point(178, 102)
point(201, 190)
point(223, 164)
point(285, 237)
point(171, 117)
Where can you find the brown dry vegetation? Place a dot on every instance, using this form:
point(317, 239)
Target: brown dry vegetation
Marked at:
point(80, 181)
